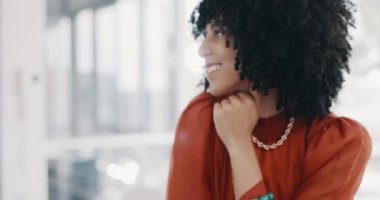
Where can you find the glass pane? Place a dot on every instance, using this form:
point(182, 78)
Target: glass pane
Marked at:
point(110, 174)
point(130, 105)
point(159, 50)
point(106, 69)
point(129, 38)
point(83, 80)
point(117, 75)
point(58, 61)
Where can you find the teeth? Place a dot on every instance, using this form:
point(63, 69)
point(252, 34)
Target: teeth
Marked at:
point(212, 68)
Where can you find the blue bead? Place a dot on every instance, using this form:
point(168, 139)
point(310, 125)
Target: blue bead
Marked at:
point(264, 197)
point(270, 195)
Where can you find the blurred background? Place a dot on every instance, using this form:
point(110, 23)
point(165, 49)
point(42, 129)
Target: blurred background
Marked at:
point(90, 93)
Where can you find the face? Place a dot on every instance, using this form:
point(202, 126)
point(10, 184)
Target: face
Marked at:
point(220, 63)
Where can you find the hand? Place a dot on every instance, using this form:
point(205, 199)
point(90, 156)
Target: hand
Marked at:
point(235, 118)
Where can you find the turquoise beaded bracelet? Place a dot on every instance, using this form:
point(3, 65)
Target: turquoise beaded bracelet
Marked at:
point(268, 196)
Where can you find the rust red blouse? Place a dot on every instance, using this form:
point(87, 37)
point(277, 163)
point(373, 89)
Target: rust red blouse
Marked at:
point(322, 159)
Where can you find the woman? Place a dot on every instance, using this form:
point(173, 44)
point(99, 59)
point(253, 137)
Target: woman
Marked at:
point(263, 127)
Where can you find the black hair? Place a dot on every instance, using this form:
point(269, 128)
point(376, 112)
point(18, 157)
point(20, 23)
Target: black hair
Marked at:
point(300, 47)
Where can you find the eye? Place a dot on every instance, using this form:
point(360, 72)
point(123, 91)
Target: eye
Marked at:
point(219, 33)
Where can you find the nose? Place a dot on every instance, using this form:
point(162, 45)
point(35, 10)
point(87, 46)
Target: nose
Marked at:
point(205, 49)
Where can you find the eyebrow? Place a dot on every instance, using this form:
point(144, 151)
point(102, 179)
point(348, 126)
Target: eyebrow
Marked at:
point(218, 24)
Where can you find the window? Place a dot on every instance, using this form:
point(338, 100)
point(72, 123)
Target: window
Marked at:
point(112, 97)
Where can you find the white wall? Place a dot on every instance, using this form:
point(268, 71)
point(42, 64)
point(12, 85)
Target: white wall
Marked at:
point(23, 168)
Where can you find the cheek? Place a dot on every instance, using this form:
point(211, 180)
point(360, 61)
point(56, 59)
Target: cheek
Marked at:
point(227, 79)
point(227, 82)
point(230, 54)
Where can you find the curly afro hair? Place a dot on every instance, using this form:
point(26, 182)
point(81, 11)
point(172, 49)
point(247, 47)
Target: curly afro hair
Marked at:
point(300, 47)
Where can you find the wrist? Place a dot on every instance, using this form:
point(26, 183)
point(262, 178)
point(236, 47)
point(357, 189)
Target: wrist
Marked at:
point(242, 148)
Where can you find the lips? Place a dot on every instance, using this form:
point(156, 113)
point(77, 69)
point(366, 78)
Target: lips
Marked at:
point(212, 67)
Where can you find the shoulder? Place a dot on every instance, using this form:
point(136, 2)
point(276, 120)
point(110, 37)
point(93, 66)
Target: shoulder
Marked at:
point(340, 141)
point(202, 97)
point(203, 101)
point(199, 108)
point(332, 125)
point(332, 131)
point(336, 155)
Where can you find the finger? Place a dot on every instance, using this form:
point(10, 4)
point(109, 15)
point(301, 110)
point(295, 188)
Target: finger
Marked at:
point(234, 98)
point(217, 106)
point(225, 102)
point(243, 96)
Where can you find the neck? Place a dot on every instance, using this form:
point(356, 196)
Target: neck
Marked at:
point(268, 104)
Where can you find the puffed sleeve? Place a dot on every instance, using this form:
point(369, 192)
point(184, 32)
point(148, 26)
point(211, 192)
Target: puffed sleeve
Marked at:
point(188, 167)
point(337, 153)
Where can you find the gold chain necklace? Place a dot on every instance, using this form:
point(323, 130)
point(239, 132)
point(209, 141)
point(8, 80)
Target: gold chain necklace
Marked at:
point(279, 142)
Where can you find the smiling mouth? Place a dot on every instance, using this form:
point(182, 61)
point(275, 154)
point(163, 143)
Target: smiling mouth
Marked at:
point(212, 68)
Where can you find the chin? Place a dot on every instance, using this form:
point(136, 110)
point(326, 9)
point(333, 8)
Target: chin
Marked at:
point(214, 92)
point(218, 92)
